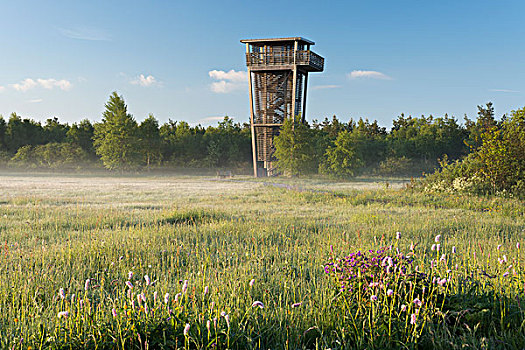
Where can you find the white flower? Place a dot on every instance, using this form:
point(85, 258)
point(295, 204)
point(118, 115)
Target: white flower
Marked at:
point(184, 286)
point(187, 329)
point(148, 281)
point(62, 293)
point(252, 282)
point(167, 298)
point(63, 314)
point(437, 239)
point(258, 303)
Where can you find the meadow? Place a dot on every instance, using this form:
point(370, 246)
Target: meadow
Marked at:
point(164, 262)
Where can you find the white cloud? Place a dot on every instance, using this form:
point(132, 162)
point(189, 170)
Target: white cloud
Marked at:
point(2, 88)
point(25, 85)
point(371, 74)
point(85, 33)
point(28, 84)
point(228, 81)
point(145, 81)
point(35, 100)
point(208, 119)
point(504, 90)
point(322, 87)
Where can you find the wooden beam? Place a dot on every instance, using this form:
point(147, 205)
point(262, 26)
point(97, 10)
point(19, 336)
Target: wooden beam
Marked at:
point(254, 150)
point(304, 96)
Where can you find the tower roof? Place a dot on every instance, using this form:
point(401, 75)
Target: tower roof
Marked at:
point(276, 40)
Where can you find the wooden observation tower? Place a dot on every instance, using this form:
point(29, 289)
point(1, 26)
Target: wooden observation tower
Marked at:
point(278, 73)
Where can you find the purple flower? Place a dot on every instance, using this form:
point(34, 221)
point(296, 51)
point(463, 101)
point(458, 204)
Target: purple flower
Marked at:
point(417, 302)
point(206, 290)
point(252, 282)
point(259, 304)
point(506, 274)
point(437, 239)
point(187, 329)
point(398, 235)
point(518, 245)
point(296, 305)
point(114, 312)
point(454, 249)
point(499, 246)
point(373, 298)
point(129, 284)
point(390, 292)
point(433, 247)
point(130, 275)
point(403, 308)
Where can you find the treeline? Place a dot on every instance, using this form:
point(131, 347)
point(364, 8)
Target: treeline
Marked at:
point(332, 147)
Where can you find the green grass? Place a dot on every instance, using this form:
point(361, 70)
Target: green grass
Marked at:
point(58, 231)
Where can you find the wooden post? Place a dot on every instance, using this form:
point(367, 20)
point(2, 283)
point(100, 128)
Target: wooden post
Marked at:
point(294, 89)
point(304, 96)
point(252, 119)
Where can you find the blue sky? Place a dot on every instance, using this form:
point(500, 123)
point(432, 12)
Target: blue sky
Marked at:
point(175, 58)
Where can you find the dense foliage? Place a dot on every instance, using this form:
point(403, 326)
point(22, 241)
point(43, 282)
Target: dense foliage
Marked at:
point(330, 147)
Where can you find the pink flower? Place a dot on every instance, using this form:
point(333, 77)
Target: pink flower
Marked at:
point(413, 319)
point(252, 282)
point(185, 286)
point(373, 298)
point(433, 247)
point(296, 305)
point(206, 290)
point(62, 293)
point(63, 314)
point(417, 302)
point(148, 281)
point(403, 308)
point(129, 284)
point(114, 312)
point(167, 298)
point(390, 292)
point(454, 250)
point(86, 285)
point(130, 275)
point(437, 239)
point(499, 246)
point(187, 329)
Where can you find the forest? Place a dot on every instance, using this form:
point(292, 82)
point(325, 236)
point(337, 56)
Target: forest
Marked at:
point(331, 146)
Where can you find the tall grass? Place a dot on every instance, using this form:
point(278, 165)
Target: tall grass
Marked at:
point(59, 233)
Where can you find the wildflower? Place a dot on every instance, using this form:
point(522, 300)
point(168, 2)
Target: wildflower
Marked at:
point(296, 305)
point(63, 314)
point(454, 250)
point(413, 318)
point(499, 246)
point(206, 290)
point(186, 329)
point(185, 286)
point(177, 297)
point(398, 235)
point(129, 284)
point(433, 247)
point(81, 303)
point(518, 245)
point(62, 293)
point(443, 257)
point(417, 302)
point(506, 274)
point(373, 284)
point(403, 308)
point(437, 239)
point(252, 282)
point(114, 312)
point(72, 298)
point(154, 297)
point(86, 285)
point(442, 282)
point(504, 259)
point(208, 325)
point(146, 308)
point(259, 304)
point(411, 246)
point(130, 275)
point(215, 322)
point(148, 281)
point(373, 298)
point(227, 318)
point(438, 246)
point(390, 292)
point(223, 313)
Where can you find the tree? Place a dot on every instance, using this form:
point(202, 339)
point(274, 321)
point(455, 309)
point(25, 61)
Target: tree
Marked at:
point(115, 138)
point(3, 129)
point(54, 131)
point(294, 148)
point(342, 159)
point(150, 142)
point(81, 135)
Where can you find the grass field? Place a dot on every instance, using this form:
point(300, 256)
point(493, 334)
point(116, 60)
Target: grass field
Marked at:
point(241, 263)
